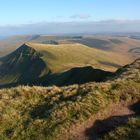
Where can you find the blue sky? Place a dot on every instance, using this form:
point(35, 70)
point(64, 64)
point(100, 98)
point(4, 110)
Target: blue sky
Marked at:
point(68, 16)
point(16, 12)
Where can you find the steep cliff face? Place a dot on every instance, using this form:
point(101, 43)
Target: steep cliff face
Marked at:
point(24, 64)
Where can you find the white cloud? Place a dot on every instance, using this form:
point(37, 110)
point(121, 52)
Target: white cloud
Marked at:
point(80, 16)
point(73, 27)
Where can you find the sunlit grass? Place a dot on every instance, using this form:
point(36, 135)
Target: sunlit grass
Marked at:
point(43, 113)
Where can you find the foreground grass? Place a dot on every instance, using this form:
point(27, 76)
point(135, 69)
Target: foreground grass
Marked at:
point(47, 113)
point(129, 131)
point(39, 113)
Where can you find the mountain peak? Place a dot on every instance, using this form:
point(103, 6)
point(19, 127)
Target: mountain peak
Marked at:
point(25, 64)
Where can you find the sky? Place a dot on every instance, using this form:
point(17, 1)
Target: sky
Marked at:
point(36, 13)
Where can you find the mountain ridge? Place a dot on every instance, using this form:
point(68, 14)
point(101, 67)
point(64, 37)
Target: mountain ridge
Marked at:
point(31, 62)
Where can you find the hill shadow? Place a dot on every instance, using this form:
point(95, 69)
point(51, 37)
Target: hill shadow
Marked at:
point(102, 127)
point(94, 43)
point(78, 75)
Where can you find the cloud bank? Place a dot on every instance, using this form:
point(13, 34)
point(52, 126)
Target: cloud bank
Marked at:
point(113, 26)
point(81, 16)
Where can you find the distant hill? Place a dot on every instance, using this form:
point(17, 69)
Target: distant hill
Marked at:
point(32, 62)
point(118, 45)
point(58, 55)
point(127, 46)
point(135, 37)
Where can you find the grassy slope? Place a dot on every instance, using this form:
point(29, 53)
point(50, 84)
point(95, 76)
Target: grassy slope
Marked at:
point(129, 131)
point(48, 113)
point(65, 56)
point(119, 45)
point(56, 59)
point(125, 46)
point(32, 61)
point(24, 62)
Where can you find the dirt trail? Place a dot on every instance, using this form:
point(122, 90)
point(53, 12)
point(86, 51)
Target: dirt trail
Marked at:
point(103, 122)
